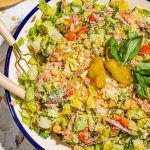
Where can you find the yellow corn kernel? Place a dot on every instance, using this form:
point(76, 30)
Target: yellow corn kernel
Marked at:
point(127, 103)
point(57, 128)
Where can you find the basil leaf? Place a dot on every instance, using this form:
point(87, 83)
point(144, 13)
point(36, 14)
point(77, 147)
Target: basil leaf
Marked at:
point(141, 90)
point(120, 53)
point(147, 80)
point(131, 48)
point(143, 68)
point(112, 43)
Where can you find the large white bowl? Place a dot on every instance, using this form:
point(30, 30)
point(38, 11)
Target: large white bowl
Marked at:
point(10, 71)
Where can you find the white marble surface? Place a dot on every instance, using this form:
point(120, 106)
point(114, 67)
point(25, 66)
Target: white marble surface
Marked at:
point(10, 136)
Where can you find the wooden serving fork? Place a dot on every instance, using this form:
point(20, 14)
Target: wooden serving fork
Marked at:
point(4, 81)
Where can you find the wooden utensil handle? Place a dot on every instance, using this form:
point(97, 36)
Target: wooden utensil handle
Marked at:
point(11, 86)
point(6, 34)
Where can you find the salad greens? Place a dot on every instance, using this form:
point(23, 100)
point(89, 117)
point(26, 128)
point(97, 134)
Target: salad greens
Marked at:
point(90, 75)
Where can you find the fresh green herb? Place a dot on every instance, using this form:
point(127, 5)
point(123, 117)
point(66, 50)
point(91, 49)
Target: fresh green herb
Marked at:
point(131, 48)
point(142, 77)
point(147, 80)
point(141, 86)
point(112, 43)
point(143, 67)
point(124, 52)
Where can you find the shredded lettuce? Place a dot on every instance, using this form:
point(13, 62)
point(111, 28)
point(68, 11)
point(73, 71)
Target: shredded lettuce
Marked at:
point(30, 95)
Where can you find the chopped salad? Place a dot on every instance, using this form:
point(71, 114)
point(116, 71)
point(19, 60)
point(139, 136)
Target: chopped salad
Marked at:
point(89, 82)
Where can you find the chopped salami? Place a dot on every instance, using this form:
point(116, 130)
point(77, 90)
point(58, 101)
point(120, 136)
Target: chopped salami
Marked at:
point(51, 105)
point(142, 25)
point(63, 5)
point(42, 75)
point(118, 125)
point(125, 19)
point(144, 104)
point(70, 124)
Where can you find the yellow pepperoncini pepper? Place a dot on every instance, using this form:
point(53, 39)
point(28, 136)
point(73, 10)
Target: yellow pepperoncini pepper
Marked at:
point(97, 72)
point(119, 71)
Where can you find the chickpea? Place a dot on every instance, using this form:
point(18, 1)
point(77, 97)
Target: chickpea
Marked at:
point(112, 103)
point(60, 47)
point(138, 58)
point(100, 131)
point(114, 131)
point(116, 117)
point(78, 148)
point(57, 128)
point(134, 105)
point(86, 44)
point(127, 104)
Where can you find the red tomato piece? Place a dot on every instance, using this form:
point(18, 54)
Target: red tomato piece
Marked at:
point(82, 30)
point(92, 18)
point(145, 49)
point(84, 135)
point(70, 90)
point(70, 36)
point(70, 20)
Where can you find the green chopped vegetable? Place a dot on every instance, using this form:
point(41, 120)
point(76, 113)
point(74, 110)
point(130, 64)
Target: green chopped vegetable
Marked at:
point(46, 9)
point(44, 134)
point(20, 42)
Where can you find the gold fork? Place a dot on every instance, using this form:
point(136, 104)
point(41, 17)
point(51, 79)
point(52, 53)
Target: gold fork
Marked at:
point(16, 50)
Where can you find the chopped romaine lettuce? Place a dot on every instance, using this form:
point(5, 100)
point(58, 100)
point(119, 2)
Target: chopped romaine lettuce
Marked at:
point(44, 122)
point(108, 146)
point(77, 2)
point(33, 73)
point(138, 144)
point(44, 134)
point(30, 95)
point(80, 122)
point(46, 9)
